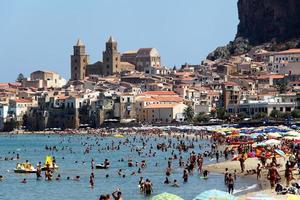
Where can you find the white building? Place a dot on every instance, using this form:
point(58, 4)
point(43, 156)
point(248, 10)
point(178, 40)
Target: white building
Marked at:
point(44, 79)
point(3, 114)
point(18, 108)
point(266, 105)
point(286, 62)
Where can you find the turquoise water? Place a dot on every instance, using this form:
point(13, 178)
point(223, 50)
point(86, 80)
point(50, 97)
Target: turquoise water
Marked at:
point(32, 148)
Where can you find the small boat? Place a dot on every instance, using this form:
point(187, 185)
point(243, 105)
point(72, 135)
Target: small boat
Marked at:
point(101, 166)
point(24, 168)
point(50, 164)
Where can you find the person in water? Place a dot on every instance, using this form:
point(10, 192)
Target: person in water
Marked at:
point(117, 195)
point(24, 180)
point(230, 184)
point(167, 181)
point(148, 187)
point(175, 183)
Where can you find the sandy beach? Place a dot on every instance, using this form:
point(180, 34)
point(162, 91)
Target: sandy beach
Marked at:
point(251, 163)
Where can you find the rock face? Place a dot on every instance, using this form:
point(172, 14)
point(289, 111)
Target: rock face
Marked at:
point(268, 24)
point(265, 20)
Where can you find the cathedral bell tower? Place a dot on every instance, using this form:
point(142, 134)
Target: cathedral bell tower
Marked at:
point(111, 58)
point(79, 61)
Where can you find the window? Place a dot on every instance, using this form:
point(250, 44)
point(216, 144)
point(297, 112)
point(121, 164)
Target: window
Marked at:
point(107, 66)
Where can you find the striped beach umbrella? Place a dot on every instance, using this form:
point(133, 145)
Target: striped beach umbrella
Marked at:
point(166, 196)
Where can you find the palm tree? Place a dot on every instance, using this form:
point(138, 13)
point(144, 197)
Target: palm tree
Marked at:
point(188, 114)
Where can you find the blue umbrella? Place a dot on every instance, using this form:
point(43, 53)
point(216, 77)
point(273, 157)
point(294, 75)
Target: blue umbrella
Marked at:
point(214, 194)
point(280, 152)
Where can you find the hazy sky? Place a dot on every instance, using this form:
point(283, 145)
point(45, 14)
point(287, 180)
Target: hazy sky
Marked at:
point(38, 34)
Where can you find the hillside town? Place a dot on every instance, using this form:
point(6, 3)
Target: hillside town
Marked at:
point(134, 87)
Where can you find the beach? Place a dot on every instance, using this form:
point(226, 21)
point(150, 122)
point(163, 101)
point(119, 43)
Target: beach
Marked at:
point(251, 163)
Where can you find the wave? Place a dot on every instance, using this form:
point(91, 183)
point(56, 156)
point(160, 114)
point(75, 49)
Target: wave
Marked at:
point(246, 188)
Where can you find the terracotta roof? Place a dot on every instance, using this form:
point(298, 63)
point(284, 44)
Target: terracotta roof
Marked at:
point(4, 85)
point(290, 51)
point(23, 101)
point(149, 93)
point(154, 106)
point(230, 83)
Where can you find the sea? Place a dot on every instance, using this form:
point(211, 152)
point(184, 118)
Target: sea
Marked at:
point(73, 161)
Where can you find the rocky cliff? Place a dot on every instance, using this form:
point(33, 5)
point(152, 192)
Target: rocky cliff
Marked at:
point(266, 20)
point(269, 24)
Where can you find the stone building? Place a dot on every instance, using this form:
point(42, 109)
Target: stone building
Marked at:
point(79, 61)
point(142, 58)
point(44, 79)
point(111, 63)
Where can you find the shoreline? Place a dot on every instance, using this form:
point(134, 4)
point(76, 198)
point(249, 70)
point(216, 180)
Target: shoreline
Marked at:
point(251, 163)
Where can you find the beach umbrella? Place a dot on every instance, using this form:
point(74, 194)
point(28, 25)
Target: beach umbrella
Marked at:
point(274, 135)
point(292, 133)
point(166, 196)
point(292, 197)
point(215, 194)
point(272, 142)
point(280, 152)
point(260, 197)
point(119, 136)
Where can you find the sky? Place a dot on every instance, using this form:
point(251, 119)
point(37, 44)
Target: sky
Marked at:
point(40, 35)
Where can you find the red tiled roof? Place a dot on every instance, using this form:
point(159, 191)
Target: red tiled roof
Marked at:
point(290, 51)
point(149, 93)
point(23, 101)
point(161, 106)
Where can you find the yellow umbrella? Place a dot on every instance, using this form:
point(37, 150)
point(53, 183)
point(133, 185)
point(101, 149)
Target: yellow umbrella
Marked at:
point(119, 136)
point(274, 135)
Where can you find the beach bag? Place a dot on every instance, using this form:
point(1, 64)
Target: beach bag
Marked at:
point(278, 188)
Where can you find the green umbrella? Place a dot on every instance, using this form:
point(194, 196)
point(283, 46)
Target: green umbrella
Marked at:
point(166, 196)
point(215, 195)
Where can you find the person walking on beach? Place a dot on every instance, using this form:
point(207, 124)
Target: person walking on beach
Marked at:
point(288, 174)
point(230, 184)
point(217, 156)
point(242, 163)
point(258, 171)
point(273, 176)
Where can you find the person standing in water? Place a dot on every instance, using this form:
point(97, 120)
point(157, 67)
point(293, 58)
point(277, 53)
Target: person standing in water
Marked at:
point(230, 184)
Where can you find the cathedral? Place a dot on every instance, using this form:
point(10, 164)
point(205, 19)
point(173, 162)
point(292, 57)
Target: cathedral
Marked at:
point(113, 62)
